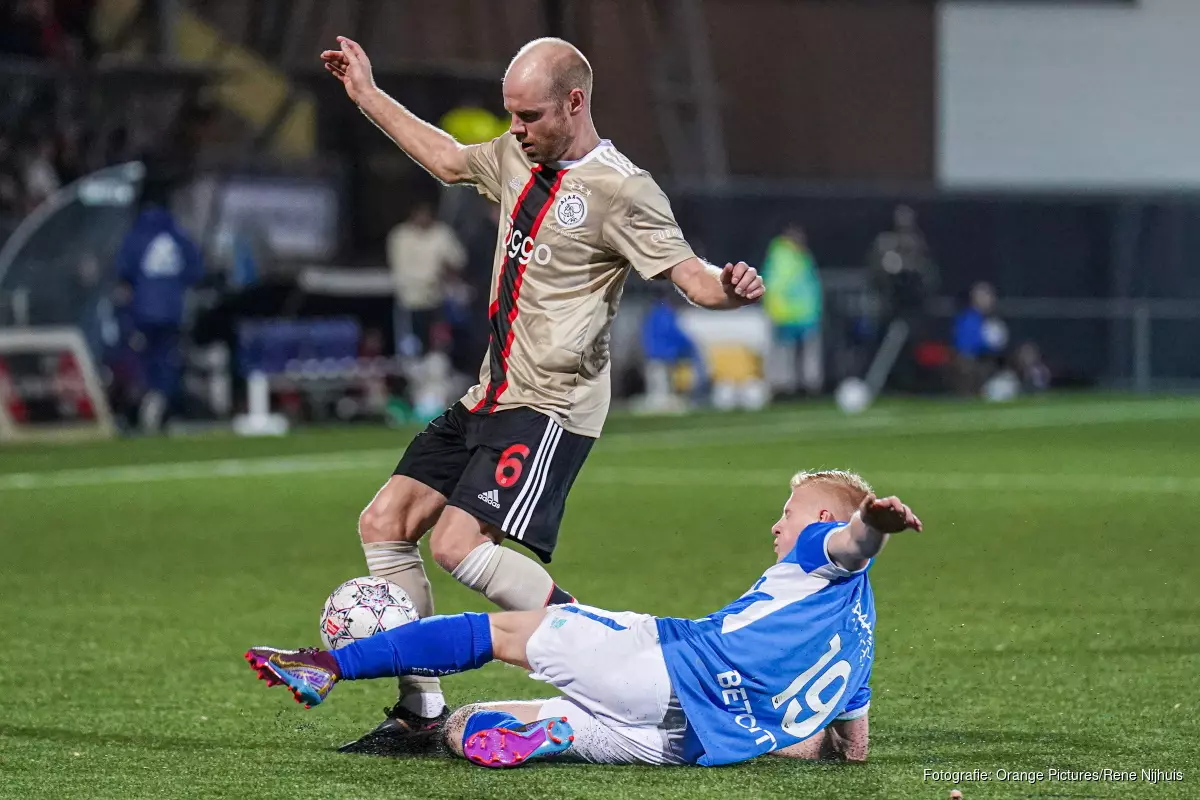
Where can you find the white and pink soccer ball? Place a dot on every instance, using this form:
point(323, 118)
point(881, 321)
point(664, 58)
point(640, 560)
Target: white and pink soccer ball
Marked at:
point(363, 607)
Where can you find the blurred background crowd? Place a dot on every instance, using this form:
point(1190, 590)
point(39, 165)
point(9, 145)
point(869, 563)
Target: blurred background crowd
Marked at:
point(922, 184)
point(40, 148)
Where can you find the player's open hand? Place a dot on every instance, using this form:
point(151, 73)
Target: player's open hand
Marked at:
point(888, 515)
point(742, 282)
point(351, 66)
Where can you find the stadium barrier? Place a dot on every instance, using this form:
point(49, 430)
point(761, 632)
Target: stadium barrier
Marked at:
point(49, 387)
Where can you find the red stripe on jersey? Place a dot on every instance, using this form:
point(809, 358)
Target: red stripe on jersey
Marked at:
point(512, 315)
point(495, 305)
point(499, 391)
point(512, 222)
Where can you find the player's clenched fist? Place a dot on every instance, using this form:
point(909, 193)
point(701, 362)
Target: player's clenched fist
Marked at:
point(742, 281)
point(888, 515)
point(351, 66)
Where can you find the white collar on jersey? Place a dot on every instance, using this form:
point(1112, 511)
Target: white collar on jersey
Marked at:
point(590, 155)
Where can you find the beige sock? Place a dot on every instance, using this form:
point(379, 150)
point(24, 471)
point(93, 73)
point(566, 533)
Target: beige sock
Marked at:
point(510, 580)
point(400, 563)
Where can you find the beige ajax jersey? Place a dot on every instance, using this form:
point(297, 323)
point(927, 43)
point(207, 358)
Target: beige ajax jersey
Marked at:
point(568, 238)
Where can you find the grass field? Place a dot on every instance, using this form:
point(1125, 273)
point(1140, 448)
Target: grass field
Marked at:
point(1047, 618)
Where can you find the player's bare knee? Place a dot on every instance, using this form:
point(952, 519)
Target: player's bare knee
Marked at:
point(511, 632)
point(450, 546)
point(456, 534)
point(398, 514)
point(377, 523)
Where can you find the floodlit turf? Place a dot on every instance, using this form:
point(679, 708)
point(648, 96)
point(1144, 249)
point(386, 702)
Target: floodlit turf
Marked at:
point(1048, 618)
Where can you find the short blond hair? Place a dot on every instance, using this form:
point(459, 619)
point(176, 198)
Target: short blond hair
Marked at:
point(849, 487)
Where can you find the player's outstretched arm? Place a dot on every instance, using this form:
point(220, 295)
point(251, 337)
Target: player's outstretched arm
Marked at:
point(432, 148)
point(861, 540)
point(705, 285)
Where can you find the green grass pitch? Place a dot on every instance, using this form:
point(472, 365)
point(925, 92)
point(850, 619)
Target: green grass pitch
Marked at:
point(1047, 618)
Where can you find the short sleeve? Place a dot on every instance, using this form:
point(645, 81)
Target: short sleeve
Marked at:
point(483, 167)
point(811, 551)
point(641, 228)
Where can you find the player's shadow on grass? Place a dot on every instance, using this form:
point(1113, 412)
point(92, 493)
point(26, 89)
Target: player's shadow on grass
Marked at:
point(149, 741)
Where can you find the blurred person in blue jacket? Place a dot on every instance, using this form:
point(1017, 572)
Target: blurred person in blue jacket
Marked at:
point(665, 346)
point(980, 339)
point(794, 305)
point(157, 263)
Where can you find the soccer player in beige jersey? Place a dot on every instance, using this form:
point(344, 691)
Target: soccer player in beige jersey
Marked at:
point(577, 216)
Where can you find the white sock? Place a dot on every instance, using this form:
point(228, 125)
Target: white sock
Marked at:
point(424, 704)
point(470, 572)
point(507, 578)
point(400, 563)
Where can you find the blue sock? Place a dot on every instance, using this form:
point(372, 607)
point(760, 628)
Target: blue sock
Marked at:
point(430, 646)
point(482, 720)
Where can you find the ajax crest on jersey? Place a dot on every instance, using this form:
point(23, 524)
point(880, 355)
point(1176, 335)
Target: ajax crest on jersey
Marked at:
point(571, 210)
point(363, 607)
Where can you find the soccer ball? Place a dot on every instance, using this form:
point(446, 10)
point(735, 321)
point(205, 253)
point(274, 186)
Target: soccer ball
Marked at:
point(853, 396)
point(363, 607)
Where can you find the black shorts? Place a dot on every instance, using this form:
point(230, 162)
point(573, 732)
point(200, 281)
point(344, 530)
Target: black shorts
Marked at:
point(511, 469)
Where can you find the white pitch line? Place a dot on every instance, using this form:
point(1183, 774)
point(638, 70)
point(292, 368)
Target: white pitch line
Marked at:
point(195, 470)
point(622, 476)
point(797, 428)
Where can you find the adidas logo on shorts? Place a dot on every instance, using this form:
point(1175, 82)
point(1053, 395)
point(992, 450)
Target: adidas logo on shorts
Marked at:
point(491, 497)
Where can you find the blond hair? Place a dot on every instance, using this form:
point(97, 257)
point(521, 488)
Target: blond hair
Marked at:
point(849, 487)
